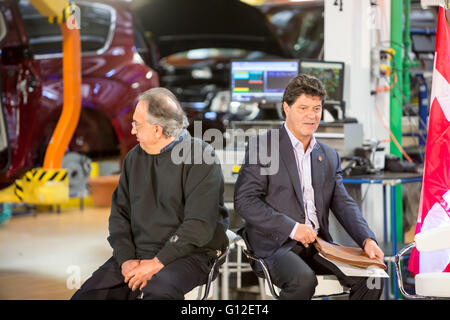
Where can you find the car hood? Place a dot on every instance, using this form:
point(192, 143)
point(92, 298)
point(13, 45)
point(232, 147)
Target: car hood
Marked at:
point(181, 25)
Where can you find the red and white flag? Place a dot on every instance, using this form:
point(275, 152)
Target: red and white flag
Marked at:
point(434, 207)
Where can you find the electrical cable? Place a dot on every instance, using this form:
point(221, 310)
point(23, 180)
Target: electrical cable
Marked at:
point(392, 136)
point(387, 88)
point(402, 102)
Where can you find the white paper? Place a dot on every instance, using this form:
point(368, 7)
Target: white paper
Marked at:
point(352, 271)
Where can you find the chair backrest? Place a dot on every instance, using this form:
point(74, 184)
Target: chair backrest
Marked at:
point(434, 239)
point(232, 237)
point(429, 285)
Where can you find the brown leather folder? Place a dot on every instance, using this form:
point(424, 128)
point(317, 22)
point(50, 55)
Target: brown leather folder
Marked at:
point(349, 255)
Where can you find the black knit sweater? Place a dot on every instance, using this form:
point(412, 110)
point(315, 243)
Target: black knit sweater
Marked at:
point(168, 209)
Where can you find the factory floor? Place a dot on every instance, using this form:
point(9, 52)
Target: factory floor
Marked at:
point(45, 255)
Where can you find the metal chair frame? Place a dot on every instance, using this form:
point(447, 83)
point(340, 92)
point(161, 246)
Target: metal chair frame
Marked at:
point(238, 267)
point(398, 271)
point(268, 278)
point(214, 269)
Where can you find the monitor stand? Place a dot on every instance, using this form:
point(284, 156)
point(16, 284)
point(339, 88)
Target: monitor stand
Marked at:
point(337, 110)
point(269, 111)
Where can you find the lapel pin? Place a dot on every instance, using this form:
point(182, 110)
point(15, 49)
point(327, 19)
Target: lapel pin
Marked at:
point(320, 158)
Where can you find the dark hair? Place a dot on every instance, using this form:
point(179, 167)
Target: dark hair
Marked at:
point(302, 84)
point(170, 117)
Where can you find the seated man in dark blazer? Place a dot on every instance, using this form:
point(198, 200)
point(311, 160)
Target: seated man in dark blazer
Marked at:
point(286, 209)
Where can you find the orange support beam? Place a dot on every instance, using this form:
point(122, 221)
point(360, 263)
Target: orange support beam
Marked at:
point(70, 115)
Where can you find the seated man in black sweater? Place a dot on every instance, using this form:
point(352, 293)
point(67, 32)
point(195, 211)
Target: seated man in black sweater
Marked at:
point(167, 221)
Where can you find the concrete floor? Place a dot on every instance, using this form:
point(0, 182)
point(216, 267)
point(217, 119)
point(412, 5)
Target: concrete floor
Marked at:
point(45, 256)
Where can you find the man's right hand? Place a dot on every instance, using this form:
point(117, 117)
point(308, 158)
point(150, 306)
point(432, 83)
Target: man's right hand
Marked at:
point(129, 265)
point(305, 234)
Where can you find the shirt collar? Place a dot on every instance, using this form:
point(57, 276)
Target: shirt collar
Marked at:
point(174, 142)
point(297, 143)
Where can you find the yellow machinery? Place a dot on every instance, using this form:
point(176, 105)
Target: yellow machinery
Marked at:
point(49, 184)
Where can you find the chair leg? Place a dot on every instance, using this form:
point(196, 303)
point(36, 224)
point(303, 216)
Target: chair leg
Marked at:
point(262, 289)
point(216, 289)
point(225, 284)
point(239, 268)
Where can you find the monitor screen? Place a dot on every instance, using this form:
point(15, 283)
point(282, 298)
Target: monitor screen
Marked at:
point(261, 80)
point(331, 74)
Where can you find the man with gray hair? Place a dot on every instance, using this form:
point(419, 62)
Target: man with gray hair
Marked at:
point(168, 221)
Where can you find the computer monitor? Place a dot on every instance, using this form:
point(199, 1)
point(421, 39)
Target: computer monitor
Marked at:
point(261, 80)
point(332, 76)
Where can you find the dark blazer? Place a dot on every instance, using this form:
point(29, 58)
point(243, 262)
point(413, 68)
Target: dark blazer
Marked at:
point(272, 204)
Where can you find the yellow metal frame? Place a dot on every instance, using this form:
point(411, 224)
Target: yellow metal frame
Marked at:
point(49, 8)
point(46, 186)
point(72, 98)
point(59, 11)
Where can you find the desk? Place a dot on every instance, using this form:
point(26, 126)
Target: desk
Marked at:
point(391, 179)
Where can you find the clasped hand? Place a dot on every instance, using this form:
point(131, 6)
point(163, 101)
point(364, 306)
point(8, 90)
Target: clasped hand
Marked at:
point(138, 272)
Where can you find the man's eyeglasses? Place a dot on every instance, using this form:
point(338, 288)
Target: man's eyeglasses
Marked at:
point(135, 126)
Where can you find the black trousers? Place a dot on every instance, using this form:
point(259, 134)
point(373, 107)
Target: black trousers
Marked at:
point(295, 274)
point(171, 282)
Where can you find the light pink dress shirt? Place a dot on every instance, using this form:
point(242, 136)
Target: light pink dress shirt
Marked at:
point(303, 160)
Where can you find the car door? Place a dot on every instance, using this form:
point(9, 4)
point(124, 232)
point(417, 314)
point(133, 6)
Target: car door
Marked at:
point(20, 97)
point(4, 145)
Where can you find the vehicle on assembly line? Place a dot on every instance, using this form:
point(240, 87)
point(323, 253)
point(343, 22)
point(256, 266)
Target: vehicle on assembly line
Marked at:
point(195, 57)
point(299, 26)
point(118, 63)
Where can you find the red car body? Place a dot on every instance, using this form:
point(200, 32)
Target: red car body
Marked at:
point(114, 73)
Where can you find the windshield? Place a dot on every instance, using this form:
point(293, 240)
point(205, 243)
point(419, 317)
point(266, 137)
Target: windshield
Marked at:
point(299, 27)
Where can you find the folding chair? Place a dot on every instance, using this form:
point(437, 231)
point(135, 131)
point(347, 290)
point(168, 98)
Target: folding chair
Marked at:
point(432, 285)
point(328, 285)
point(237, 267)
point(196, 293)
